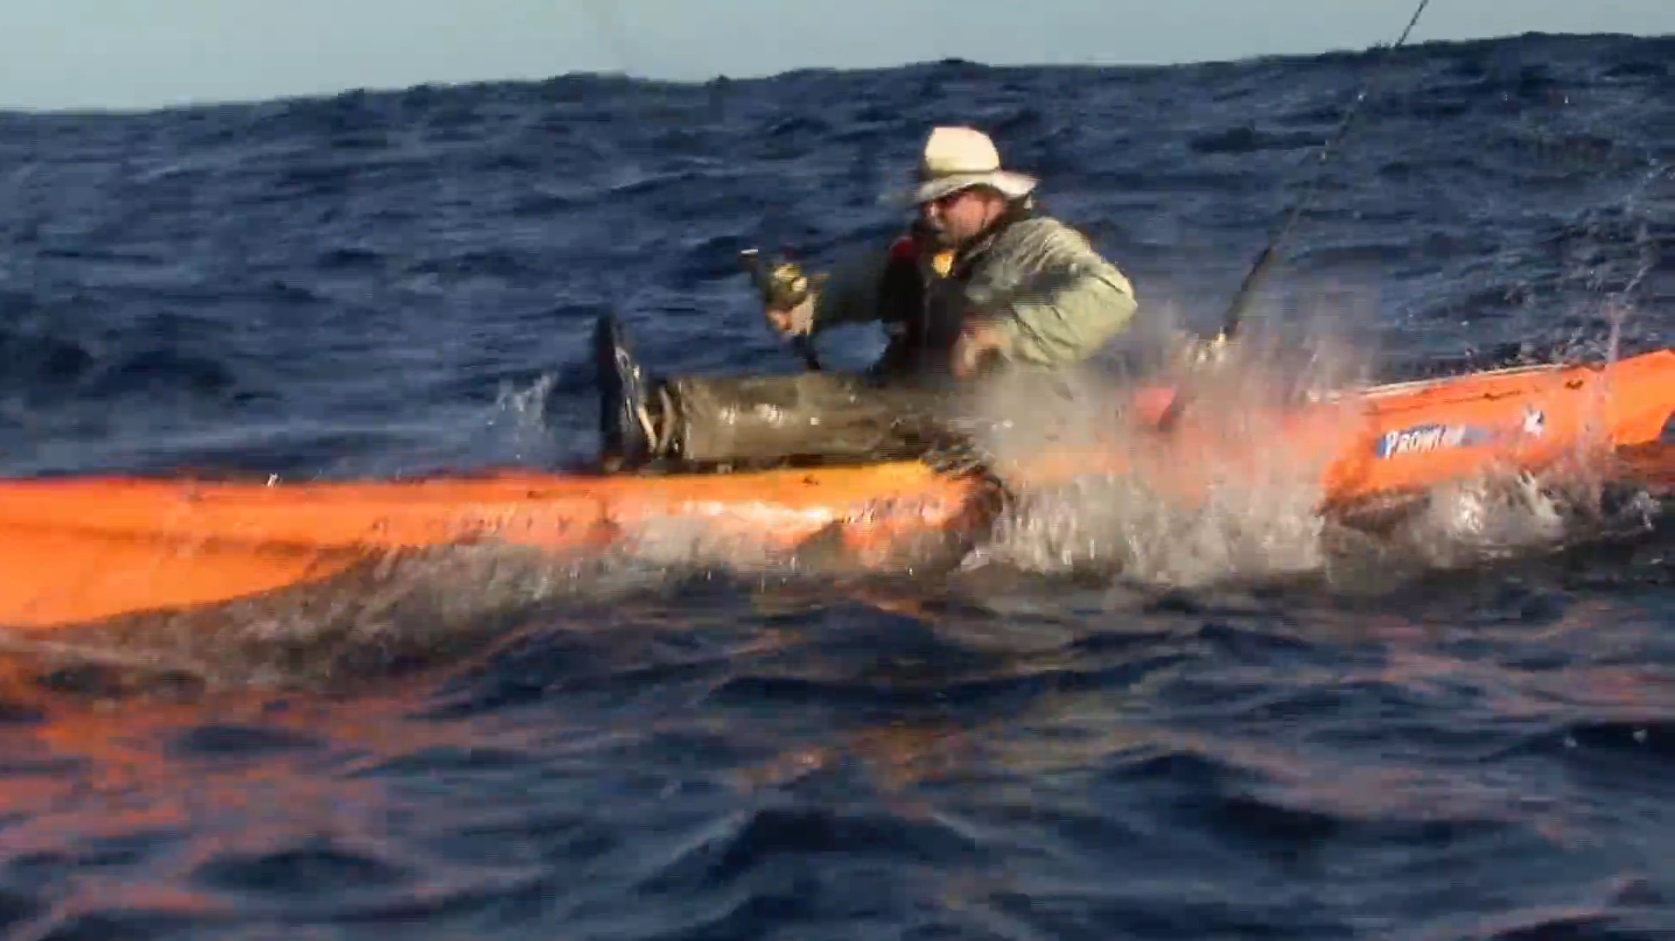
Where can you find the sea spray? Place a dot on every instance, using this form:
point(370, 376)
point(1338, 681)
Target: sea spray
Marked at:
point(1235, 496)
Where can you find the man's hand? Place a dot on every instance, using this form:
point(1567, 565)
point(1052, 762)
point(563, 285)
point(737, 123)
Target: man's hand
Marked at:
point(787, 296)
point(1193, 350)
point(979, 340)
point(797, 320)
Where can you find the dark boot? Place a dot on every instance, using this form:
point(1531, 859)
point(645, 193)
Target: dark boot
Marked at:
point(752, 421)
point(628, 430)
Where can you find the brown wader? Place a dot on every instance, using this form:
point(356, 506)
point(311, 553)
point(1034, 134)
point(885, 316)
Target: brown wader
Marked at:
point(897, 410)
point(758, 421)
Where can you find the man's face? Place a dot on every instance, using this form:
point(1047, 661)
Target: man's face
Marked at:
point(960, 216)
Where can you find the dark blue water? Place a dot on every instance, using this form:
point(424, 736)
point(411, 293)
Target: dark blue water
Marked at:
point(1469, 734)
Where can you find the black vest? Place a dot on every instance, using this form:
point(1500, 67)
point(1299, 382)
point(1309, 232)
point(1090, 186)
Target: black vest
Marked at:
point(922, 311)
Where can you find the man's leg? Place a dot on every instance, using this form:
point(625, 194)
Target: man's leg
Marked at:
point(754, 421)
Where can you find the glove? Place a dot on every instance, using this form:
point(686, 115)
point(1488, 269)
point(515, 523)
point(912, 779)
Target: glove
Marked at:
point(1197, 351)
point(978, 349)
point(793, 321)
point(788, 299)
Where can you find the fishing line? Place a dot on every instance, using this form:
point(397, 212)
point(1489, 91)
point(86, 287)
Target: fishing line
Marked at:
point(615, 32)
point(612, 29)
point(1264, 260)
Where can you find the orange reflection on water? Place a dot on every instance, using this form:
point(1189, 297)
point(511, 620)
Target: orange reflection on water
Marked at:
point(243, 773)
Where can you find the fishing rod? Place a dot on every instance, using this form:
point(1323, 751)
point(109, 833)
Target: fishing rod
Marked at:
point(777, 284)
point(1264, 262)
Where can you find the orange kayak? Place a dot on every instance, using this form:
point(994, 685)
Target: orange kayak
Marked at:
point(83, 550)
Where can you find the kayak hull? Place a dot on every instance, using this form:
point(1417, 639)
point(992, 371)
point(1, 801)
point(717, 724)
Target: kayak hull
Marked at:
point(91, 548)
point(1401, 438)
point(83, 550)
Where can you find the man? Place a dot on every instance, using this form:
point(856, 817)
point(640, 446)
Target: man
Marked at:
point(985, 281)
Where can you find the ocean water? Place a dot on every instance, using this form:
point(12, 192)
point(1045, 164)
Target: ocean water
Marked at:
point(1101, 724)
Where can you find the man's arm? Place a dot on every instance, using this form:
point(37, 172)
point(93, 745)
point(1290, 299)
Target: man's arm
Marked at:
point(850, 294)
point(1066, 302)
point(847, 294)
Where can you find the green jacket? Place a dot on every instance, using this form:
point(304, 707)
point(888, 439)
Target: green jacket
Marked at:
point(1053, 297)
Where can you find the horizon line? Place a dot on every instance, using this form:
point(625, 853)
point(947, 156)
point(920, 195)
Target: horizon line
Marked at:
point(323, 95)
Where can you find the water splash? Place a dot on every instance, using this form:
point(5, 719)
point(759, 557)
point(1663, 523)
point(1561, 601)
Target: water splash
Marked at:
point(1234, 497)
point(1241, 501)
point(517, 426)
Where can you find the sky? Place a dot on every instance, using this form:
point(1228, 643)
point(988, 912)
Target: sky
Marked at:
point(128, 54)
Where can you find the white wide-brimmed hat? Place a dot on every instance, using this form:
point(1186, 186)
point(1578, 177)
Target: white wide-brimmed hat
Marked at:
point(956, 158)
